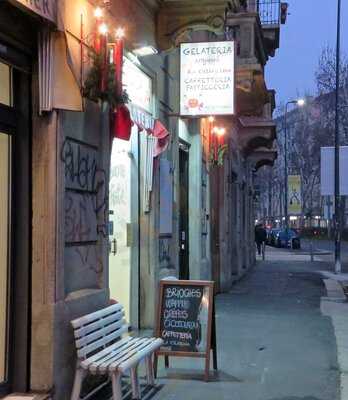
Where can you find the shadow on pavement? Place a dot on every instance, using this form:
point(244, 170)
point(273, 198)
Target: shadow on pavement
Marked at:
point(147, 392)
point(216, 376)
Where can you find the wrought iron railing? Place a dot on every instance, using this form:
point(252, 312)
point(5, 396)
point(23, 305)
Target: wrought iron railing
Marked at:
point(269, 11)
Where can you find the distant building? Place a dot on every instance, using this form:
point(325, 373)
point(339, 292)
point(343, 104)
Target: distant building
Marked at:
point(308, 129)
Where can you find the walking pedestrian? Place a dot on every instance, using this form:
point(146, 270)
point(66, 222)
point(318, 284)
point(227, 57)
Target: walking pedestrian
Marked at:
point(260, 237)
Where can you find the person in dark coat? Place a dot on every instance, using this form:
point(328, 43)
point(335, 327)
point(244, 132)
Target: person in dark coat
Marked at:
point(260, 236)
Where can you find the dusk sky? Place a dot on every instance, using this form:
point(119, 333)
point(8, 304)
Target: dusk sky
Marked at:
point(310, 27)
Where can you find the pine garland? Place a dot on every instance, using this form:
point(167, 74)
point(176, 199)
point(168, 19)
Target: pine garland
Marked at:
point(91, 89)
point(220, 155)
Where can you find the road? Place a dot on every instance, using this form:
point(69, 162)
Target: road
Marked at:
point(328, 245)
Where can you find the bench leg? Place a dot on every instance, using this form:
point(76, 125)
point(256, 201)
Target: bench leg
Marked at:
point(155, 364)
point(79, 375)
point(116, 386)
point(149, 370)
point(135, 383)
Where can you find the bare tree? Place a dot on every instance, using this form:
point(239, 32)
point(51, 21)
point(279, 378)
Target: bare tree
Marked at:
point(309, 129)
point(325, 75)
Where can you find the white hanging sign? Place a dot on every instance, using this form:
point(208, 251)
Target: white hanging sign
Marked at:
point(207, 78)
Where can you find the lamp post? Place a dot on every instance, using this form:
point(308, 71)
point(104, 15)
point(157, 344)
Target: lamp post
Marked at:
point(300, 103)
point(337, 149)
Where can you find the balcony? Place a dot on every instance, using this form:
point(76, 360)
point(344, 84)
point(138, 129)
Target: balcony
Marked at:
point(269, 12)
point(270, 16)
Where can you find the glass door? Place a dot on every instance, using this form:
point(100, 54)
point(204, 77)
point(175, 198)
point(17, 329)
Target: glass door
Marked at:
point(120, 218)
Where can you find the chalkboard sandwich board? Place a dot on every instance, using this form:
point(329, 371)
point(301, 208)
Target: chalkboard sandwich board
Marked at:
point(185, 320)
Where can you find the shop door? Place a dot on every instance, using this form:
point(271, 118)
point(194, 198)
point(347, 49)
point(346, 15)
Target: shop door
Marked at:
point(5, 245)
point(123, 209)
point(184, 272)
point(14, 228)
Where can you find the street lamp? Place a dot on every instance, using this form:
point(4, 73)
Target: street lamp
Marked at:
point(337, 149)
point(299, 103)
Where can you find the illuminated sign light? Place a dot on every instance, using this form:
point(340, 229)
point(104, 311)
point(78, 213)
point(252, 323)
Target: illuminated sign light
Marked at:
point(207, 82)
point(138, 86)
point(145, 51)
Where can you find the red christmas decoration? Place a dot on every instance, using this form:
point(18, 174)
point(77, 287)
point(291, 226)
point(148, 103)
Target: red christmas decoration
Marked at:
point(122, 123)
point(162, 135)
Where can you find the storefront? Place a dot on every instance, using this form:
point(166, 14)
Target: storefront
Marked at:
point(129, 191)
point(15, 206)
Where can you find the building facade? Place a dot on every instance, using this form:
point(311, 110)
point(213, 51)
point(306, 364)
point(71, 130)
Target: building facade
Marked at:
point(93, 219)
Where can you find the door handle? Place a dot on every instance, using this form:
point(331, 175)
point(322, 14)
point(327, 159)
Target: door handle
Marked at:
point(113, 246)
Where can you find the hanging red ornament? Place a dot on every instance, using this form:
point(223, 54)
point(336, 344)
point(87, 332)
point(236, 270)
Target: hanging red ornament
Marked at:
point(122, 123)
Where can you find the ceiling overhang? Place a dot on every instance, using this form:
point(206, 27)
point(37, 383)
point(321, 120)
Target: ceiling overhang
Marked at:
point(262, 157)
point(256, 132)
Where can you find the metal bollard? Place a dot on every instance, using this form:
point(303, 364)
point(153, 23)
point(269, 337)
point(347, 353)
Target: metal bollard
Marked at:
point(311, 250)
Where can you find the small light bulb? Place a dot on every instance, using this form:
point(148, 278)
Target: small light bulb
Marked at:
point(211, 119)
point(301, 102)
point(103, 29)
point(221, 131)
point(98, 12)
point(119, 33)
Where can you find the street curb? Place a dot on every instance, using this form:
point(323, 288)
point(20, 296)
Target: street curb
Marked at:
point(336, 307)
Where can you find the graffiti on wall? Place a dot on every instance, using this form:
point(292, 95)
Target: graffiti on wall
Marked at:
point(86, 195)
point(80, 217)
point(80, 162)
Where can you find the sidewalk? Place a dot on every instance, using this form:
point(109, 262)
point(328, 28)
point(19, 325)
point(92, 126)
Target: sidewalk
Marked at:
point(273, 341)
point(336, 307)
point(275, 336)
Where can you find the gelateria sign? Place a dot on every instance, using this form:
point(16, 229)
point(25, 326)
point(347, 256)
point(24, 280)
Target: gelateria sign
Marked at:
point(45, 8)
point(207, 79)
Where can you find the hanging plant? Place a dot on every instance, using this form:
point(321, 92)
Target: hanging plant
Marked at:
point(92, 86)
point(219, 159)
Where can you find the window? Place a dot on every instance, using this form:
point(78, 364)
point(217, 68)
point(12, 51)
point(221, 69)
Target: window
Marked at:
point(5, 84)
point(5, 201)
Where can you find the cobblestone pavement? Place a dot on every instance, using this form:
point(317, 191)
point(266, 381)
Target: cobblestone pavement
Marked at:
point(273, 341)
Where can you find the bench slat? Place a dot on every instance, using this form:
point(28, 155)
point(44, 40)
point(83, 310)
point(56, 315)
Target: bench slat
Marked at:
point(85, 363)
point(139, 355)
point(118, 359)
point(84, 330)
point(86, 319)
point(106, 361)
point(84, 351)
point(103, 332)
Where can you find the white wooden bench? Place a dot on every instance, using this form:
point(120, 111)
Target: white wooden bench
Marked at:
point(101, 350)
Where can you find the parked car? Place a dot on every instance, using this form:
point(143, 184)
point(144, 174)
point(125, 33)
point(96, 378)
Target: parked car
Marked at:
point(272, 236)
point(268, 238)
point(288, 238)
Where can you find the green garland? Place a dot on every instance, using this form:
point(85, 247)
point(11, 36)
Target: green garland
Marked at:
point(91, 89)
point(220, 155)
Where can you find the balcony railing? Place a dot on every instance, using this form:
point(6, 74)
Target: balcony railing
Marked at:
point(269, 11)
